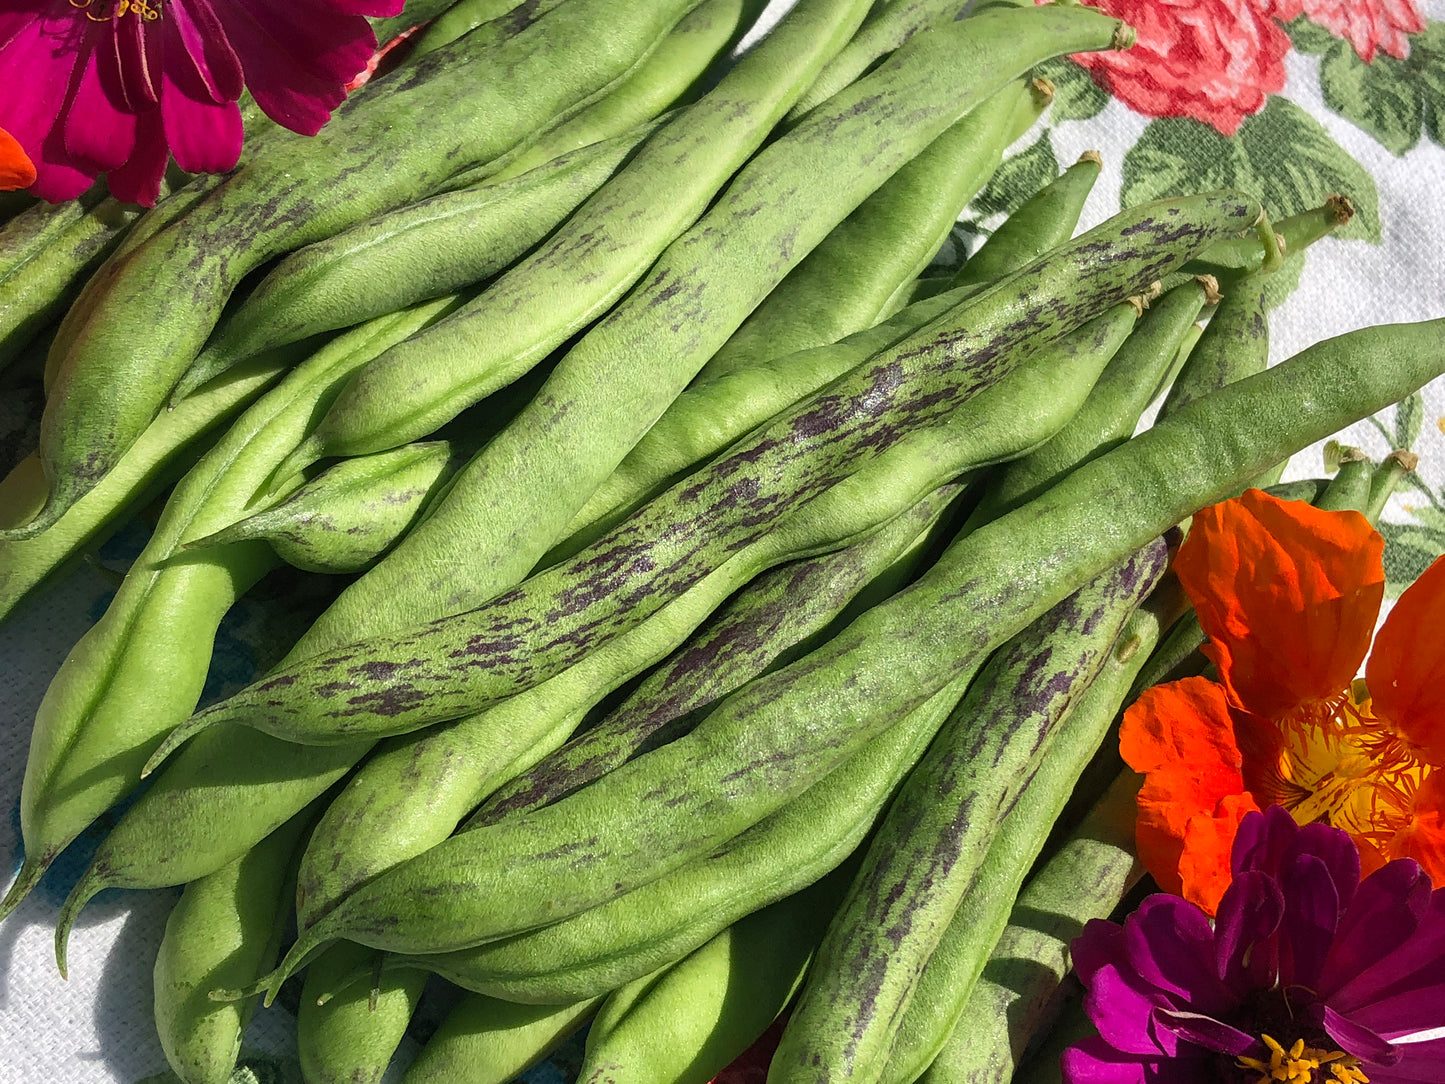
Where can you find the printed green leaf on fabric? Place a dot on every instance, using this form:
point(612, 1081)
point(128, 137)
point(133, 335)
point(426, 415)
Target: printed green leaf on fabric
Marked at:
point(1076, 95)
point(1281, 154)
point(1391, 99)
point(1018, 178)
point(1309, 37)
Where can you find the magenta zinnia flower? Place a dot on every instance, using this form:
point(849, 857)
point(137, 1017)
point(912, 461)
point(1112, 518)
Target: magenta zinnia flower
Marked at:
point(119, 86)
point(1307, 976)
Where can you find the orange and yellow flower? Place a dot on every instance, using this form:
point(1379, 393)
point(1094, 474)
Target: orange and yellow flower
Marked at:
point(1288, 596)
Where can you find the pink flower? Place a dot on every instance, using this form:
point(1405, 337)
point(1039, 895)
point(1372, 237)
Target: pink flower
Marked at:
point(120, 86)
point(1214, 60)
point(1368, 24)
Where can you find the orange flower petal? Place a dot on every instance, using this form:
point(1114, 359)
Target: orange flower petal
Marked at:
point(1424, 839)
point(16, 168)
point(1406, 671)
point(1181, 736)
point(1204, 870)
point(1287, 594)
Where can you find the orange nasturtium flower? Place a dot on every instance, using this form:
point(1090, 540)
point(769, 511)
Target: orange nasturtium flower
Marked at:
point(16, 168)
point(1288, 596)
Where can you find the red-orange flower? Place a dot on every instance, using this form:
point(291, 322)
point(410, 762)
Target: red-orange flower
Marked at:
point(1288, 596)
point(16, 168)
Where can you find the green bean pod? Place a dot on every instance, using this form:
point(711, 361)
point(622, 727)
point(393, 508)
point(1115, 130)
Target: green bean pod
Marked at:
point(223, 932)
point(346, 518)
point(487, 1041)
point(843, 285)
point(171, 835)
point(1241, 256)
point(351, 1037)
point(39, 279)
point(607, 390)
point(660, 82)
point(1016, 994)
point(462, 664)
point(1235, 344)
point(1349, 489)
point(603, 249)
point(770, 621)
point(956, 965)
point(161, 451)
point(770, 740)
point(460, 19)
point(1111, 413)
point(438, 246)
point(928, 851)
point(129, 341)
point(651, 927)
point(413, 795)
point(145, 662)
point(1388, 475)
point(691, 1021)
point(888, 26)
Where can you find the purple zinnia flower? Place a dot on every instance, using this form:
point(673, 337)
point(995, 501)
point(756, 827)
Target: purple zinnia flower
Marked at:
point(1308, 975)
point(119, 86)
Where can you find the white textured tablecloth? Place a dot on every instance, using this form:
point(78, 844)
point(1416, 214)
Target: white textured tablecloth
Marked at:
point(1372, 131)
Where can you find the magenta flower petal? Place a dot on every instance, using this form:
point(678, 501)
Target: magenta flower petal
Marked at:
point(289, 96)
point(139, 180)
point(1122, 1012)
point(1245, 946)
point(98, 134)
point(1382, 958)
point(1101, 943)
point(1095, 1062)
point(1207, 1032)
point(1386, 912)
point(204, 137)
point(329, 48)
point(1353, 1037)
point(375, 8)
point(1171, 946)
point(204, 43)
point(1312, 913)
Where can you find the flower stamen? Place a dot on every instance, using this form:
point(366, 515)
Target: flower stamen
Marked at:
point(149, 10)
point(1297, 1065)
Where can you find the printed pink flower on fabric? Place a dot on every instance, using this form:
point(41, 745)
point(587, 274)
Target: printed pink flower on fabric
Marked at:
point(120, 86)
point(1368, 25)
point(1214, 60)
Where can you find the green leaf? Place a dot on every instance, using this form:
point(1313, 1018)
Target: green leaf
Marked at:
point(1383, 98)
point(1309, 37)
point(1409, 418)
point(1018, 178)
point(1281, 155)
point(1076, 95)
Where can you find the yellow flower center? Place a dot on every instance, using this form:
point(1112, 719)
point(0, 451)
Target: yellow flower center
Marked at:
point(1300, 1064)
point(1339, 764)
point(103, 11)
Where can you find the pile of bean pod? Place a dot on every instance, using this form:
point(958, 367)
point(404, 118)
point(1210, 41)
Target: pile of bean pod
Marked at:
point(728, 625)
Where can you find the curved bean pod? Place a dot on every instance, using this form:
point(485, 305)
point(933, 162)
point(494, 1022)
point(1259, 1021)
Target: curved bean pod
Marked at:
point(767, 623)
point(1046, 219)
point(602, 250)
point(501, 652)
point(103, 708)
point(151, 461)
point(766, 743)
point(1014, 997)
point(346, 518)
point(597, 951)
point(1235, 344)
point(927, 853)
point(888, 26)
point(223, 932)
point(486, 1041)
point(609, 388)
point(843, 285)
point(691, 1021)
point(129, 342)
point(424, 250)
point(351, 1037)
